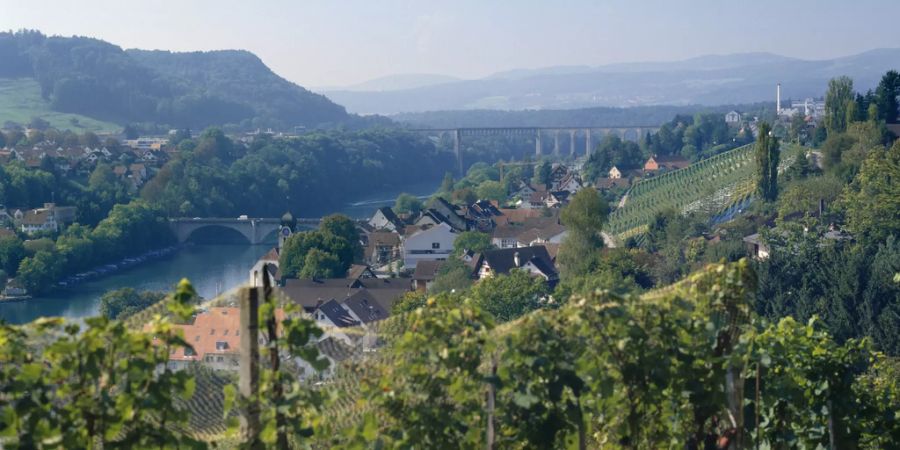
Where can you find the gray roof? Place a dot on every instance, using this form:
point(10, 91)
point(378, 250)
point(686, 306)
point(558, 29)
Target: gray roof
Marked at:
point(309, 293)
point(366, 307)
point(339, 316)
point(427, 270)
point(502, 260)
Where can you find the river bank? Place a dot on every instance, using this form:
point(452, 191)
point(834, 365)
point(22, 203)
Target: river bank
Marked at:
point(211, 268)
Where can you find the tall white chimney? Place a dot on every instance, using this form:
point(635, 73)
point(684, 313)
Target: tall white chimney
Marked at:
point(778, 100)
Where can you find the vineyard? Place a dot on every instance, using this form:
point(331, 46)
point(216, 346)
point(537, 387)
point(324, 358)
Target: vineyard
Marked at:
point(708, 186)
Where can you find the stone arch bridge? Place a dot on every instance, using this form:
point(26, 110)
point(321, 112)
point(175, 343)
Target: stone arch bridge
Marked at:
point(254, 229)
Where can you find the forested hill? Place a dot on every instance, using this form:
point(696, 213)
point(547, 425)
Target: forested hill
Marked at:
point(241, 77)
point(98, 79)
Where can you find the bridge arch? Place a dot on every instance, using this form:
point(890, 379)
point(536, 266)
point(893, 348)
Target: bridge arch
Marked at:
point(254, 230)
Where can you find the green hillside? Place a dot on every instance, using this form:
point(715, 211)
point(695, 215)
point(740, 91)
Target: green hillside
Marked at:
point(20, 101)
point(711, 185)
point(98, 79)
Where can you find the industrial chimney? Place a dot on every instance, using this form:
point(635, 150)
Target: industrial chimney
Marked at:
point(778, 100)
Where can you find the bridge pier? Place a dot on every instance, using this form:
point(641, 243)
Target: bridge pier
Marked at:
point(538, 151)
point(572, 142)
point(587, 142)
point(556, 143)
point(456, 150)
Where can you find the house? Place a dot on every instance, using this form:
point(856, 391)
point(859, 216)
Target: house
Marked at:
point(666, 163)
point(481, 214)
point(733, 118)
point(359, 310)
point(756, 247)
point(433, 243)
point(14, 288)
point(385, 219)
point(545, 199)
point(536, 230)
point(361, 272)
point(215, 339)
point(138, 174)
point(565, 180)
point(426, 272)
point(615, 173)
point(518, 215)
point(38, 220)
point(268, 262)
point(448, 213)
point(382, 247)
point(310, 294)
point(525, 189)
point(605, 184)
point(535, 260)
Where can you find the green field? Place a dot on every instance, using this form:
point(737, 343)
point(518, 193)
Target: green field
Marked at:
point(20, 100)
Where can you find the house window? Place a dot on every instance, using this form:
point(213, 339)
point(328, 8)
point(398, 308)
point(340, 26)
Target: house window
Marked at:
point(220, 359)
point(435, 245)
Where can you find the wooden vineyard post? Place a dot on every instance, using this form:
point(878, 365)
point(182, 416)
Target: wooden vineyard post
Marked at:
point(249, 373)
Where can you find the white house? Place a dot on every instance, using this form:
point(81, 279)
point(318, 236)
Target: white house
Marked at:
point(385, 219)
point(37, 220)
point(732, 118)
point(427, 244)
point(615, 173)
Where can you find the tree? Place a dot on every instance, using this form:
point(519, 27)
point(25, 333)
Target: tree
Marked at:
point(491, 190)
point(12, 252)
point(447, 184)
point(543, 174)
point(799, 133)
point(507, 297)
point(89, 139)
point(125, 302)
point(408, 204)
point(886, 95)
point(454, 275)
point(321, 264)
point(838, 96)
point(767, 158)
point(326, 252)
point(583, 217)
point(473, 241)
point(432, 390)
point(96, 383)
point(804, 195)
point(872, 202)
point(130, 132)
point(39, 272)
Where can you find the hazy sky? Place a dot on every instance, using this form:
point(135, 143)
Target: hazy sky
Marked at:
point(340, 42)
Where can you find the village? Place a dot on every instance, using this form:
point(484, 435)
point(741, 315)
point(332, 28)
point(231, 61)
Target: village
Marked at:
point(403, 254)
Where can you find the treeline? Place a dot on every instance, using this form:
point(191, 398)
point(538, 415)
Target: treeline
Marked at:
point(691, 137)
point(98, 79)
point(21, 187)
point(129, 230)
point(582, 117)
point(214, 176)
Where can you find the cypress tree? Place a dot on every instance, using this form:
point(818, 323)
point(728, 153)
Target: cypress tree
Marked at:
point(767, 156)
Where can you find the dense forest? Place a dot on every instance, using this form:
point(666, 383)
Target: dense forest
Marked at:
point(98, 79)
point(214, 176)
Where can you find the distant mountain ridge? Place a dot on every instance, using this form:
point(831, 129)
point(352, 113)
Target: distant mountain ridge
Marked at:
point(398, 82)
point(704, 80)
point(196, 89)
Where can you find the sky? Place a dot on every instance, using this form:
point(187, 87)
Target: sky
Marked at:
point(318, 43)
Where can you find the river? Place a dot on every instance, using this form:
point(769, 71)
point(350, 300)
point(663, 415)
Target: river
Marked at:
point(211, 268)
